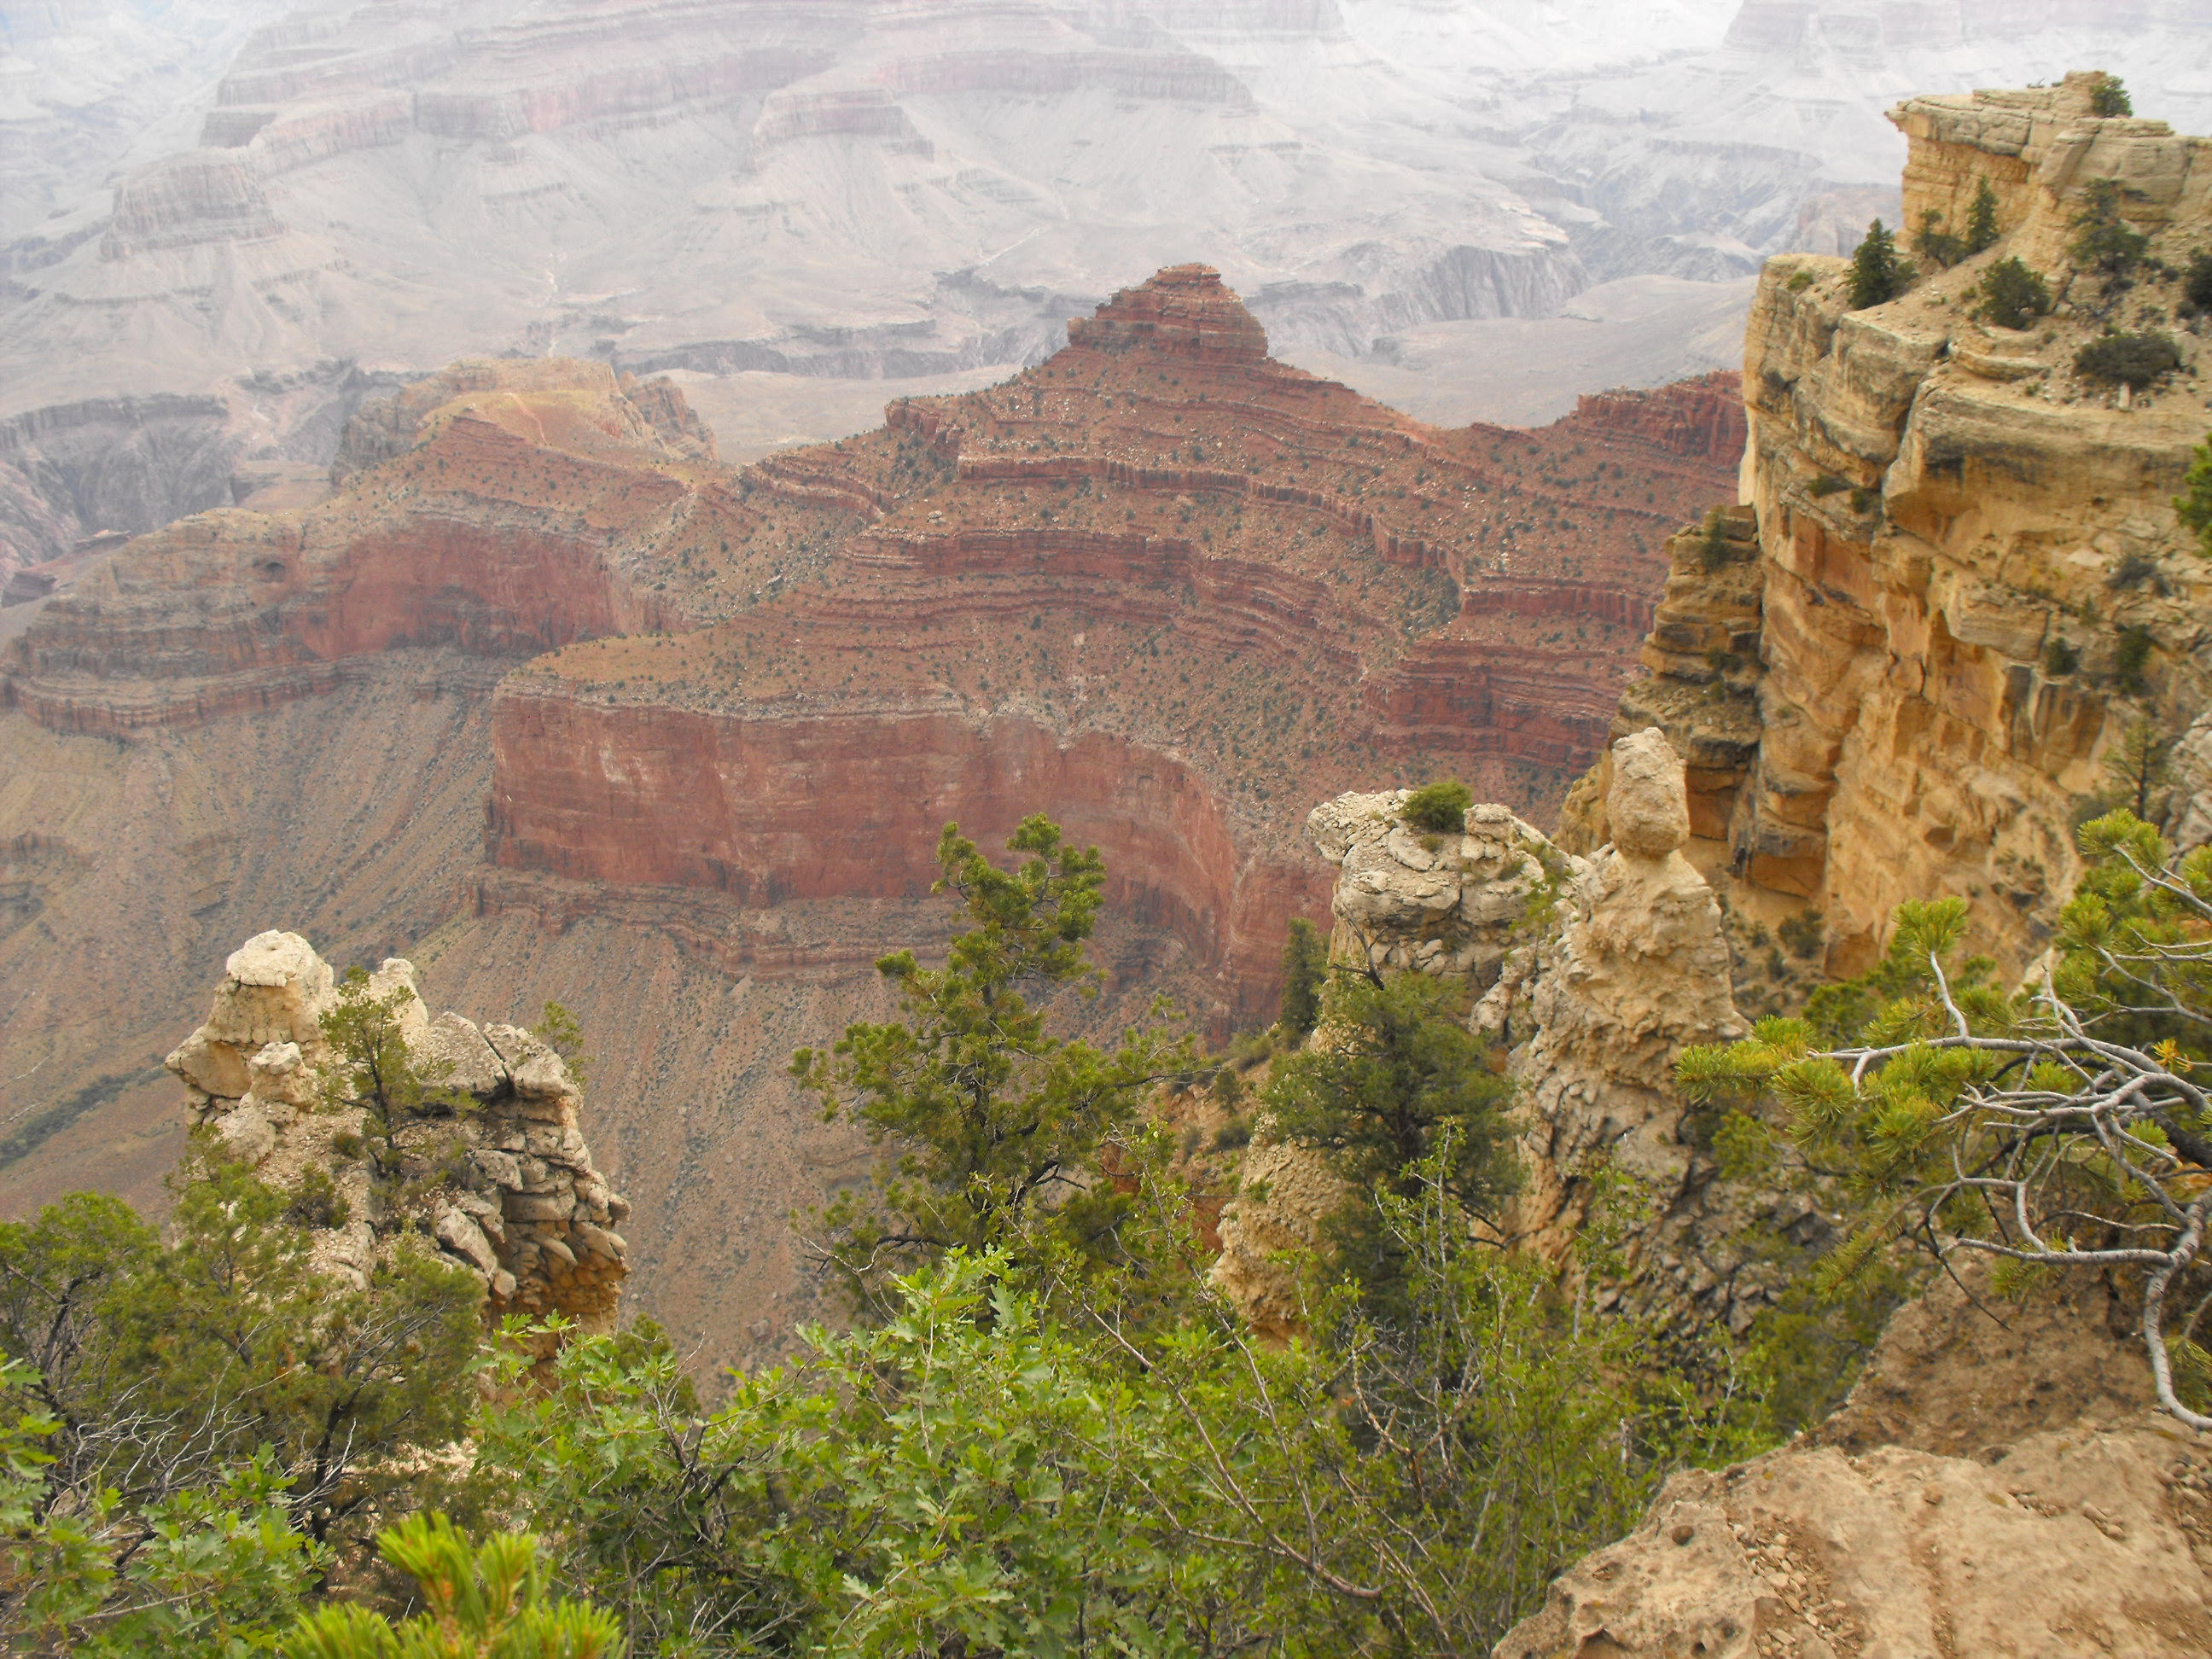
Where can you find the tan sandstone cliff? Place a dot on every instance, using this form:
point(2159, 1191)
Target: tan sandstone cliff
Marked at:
point(523, 1207)
point(1911, 691)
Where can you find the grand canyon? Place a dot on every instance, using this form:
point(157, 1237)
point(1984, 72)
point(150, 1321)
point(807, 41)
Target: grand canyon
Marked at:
point(563, 501)
point(225, 223)
point(544, 682)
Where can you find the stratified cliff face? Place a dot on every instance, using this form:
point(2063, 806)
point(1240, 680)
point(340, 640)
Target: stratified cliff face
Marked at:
point(1161, 587)
point(1135, 588)
point(501, 526)
point(1911, 692)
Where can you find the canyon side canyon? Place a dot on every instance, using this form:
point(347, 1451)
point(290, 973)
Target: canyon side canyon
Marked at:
point(535, 695)
point(226, 223)
point(555, 704)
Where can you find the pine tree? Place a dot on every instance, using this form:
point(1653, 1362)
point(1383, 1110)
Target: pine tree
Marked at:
point(1305, 970)
point(1877, 275)
point(2104, 240)
point(2011, 295)
point(2110, 98)
point(1981, 219)
point(997, 1126)
point(2139, 770)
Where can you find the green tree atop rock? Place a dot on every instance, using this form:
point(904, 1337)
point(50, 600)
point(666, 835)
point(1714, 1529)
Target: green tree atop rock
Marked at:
point(1878, 275)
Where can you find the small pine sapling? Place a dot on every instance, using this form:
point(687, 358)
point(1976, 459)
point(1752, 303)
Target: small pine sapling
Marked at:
point(1877, 274)
point(1982, 230)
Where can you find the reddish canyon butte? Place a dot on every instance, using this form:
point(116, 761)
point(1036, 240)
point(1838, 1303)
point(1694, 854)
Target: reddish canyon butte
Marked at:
point(550, 700)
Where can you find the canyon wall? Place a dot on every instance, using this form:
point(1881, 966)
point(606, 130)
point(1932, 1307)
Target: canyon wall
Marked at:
point(1969, 579)
point(547, 700)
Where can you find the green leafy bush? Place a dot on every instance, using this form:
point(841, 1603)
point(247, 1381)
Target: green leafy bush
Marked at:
point(992, 1120)
point(1826, 484)
point(2133, 570)
point(1806, 933)
point(1800, 280)
point(2060, 659)
point(2011, 295)
point(1439, 808)
point(485, 1602)
point(2135, 361)
point(1399, 1077)
point(2109, 97)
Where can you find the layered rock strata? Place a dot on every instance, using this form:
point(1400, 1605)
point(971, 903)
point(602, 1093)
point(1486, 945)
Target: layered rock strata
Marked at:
point(531, 1216)
point(1971, 580)
point(1129, 587)
point(1129, 584)
point(1171, 602)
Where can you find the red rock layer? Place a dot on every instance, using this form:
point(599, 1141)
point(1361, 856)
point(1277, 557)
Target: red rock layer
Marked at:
point(1162, 588)
point(1183, 312)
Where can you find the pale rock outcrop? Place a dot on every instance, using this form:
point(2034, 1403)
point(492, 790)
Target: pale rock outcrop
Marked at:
point(1596, 973)
point(2189, 816)
point(1285, 1193)
point(1701, 681)
point(1633, 969)
point(1406, 901)
point(1989, 1488)
point(532, 1216)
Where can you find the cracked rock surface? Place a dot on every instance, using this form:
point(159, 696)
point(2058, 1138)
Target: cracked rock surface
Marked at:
point(518, 1200)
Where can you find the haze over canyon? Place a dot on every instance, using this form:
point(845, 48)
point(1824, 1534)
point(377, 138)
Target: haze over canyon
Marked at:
point(225, 224)
point(481, 616)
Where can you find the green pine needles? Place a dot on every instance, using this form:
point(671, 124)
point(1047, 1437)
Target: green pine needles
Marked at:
point(1878, 274)
point(2061, 1126)
point(994, 1124)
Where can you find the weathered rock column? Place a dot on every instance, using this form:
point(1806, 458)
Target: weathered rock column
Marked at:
point(1634, 970)
point(530, 1214)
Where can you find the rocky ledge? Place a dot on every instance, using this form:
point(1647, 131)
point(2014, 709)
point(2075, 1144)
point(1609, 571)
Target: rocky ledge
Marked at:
point(1990, 1487)
point(521, 1204)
